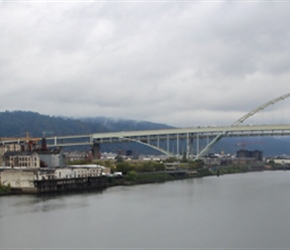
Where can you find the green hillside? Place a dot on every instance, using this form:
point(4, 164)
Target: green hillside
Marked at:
point(17, 123)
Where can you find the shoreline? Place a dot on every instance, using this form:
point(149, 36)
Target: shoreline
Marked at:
point(63, 186)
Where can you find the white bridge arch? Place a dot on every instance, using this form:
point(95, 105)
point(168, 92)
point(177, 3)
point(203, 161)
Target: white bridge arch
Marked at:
point(182, 138)
point(240, 121)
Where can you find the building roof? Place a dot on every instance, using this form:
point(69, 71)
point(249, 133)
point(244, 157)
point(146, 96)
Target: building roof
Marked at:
point(19, 153)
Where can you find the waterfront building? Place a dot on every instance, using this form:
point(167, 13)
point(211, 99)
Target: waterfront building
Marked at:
point(80, 171)
point(34, 159)
point(256, 154)
point(21, 159)
point(13, 147)
point(108, 156)
point(52, 158)
point(23, 177)
point(280, 160)
point(78, 156)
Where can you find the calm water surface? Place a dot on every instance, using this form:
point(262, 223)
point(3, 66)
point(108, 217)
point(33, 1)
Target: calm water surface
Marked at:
point(243, 211)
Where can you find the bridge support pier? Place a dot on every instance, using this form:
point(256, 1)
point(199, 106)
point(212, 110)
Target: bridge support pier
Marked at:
point(96, 151)
point(187, 146)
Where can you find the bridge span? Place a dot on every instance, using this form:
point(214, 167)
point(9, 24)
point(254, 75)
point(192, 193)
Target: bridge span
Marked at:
point(162, 139)
point(176, 141)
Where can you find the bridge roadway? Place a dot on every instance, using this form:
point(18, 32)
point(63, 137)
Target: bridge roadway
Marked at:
point(153, 137)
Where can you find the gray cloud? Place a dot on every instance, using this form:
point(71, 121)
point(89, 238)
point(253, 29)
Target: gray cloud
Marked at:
point(183, 64)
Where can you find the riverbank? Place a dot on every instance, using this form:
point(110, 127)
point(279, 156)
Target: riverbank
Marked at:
point(4, 190)
point(131, 178)
point(97, 183)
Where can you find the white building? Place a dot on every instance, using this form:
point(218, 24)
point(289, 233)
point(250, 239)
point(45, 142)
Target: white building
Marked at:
point(79, 171)
point(108, 156)
point(281, 161)
point(22, 177)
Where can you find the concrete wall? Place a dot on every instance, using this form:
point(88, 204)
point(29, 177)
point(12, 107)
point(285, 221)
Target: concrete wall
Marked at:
point(18, 178)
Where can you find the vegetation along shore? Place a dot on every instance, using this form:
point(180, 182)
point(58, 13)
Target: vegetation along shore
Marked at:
point(150, 172)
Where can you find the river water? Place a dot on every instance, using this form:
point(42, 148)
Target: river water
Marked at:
point(239, 211)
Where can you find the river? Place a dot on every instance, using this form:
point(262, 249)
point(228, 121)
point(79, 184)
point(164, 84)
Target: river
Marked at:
point(238, 211)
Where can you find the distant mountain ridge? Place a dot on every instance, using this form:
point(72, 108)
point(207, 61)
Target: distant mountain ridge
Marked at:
point(17, 123)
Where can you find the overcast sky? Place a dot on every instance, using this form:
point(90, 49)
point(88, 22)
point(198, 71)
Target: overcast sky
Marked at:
point(180, 63)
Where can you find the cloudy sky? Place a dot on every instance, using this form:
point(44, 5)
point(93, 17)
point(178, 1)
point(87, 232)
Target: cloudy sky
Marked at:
point(183, 63)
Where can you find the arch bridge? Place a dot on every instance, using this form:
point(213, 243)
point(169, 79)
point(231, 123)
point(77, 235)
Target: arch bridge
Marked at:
point(176, 141)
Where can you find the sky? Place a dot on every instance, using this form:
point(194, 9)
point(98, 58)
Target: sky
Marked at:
point(182, 63)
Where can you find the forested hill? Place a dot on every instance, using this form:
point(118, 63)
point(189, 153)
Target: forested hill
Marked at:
point(17, 123)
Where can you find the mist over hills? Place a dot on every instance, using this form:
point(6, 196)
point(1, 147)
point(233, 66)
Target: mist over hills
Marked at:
point(114, 125)
point(17, 123)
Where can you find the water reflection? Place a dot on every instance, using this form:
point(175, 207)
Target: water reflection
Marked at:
point(23, 204)
point(232, 211)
